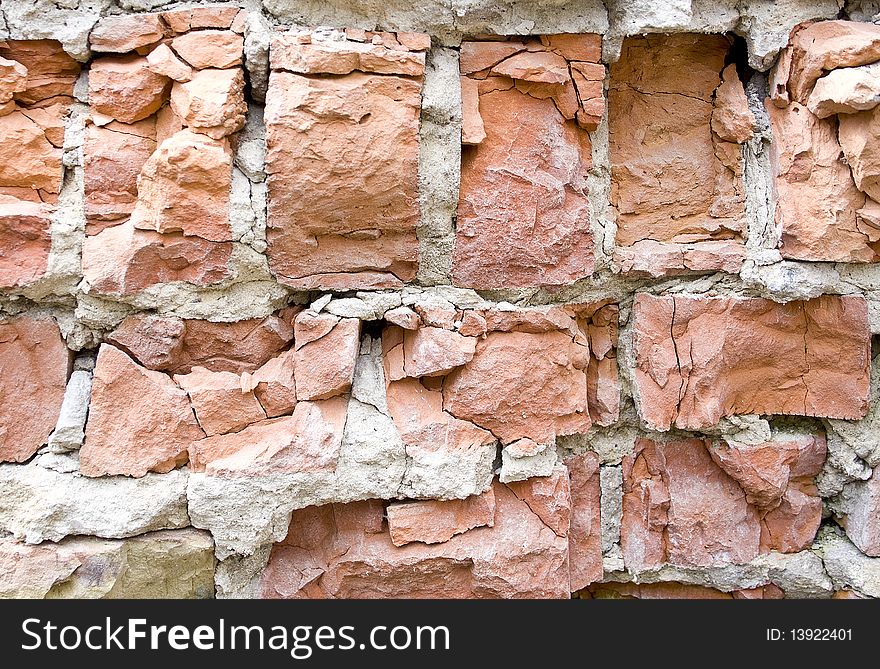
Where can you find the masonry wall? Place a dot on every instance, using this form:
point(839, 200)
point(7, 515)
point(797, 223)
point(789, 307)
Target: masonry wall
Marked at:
point(468, 299)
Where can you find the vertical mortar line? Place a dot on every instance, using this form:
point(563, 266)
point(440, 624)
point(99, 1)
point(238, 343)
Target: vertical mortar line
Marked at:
point(439, 165)
point(602, 223)
point(64, 268)
point(762, 233)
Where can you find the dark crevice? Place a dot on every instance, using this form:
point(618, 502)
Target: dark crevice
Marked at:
point(738, 54)
point(372, 328)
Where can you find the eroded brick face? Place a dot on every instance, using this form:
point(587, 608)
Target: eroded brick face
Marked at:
point(700, 359)
point(36, 88)
point(699, 503)
point(523, 211)
point(526, 540)
point(825, 172)
point(677, 118)
point(157, 157)
point(35, 363)
point(357, 229)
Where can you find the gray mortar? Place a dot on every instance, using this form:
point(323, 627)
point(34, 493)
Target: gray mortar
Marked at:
point(447, 20)
point(801, 575)
point(758, 176)
point(611, 492)
point(256, 54)
point(439, 165)
point(863, 10)
point(602, 223)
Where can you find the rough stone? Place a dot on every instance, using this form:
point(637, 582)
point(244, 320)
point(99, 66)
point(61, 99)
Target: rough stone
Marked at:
point(358, 229)
point(69, 431)
point(325, 366)
point(539, 388)
point(403, 317)
point(274, 384)
point(585, 534)
point(539, 66)
point(162, 60)
point(13, 79)
point(123, 260)
point(176, 345)
point(210, 48)
point(549, 498)
point(184, 187)
point(41, 504)
point(655, 259)
point(587, 47)
point(673, 179)
point(219, 403)
point(846, 91)
point(123, 33)
point(473, 131)
point(523, 209)
point(306, 442)
point(113, 159)
point(204, 16)
point(125, 88)
point(433, 522)
point(159, 421)
point(765, 470)
point(27, 158)
point(170, 564)
point(732, 120)
point(856, 133)
point(857, 508)
point(51, 72)
point(437, 444)
point(679, 507)
point(431, 351)
point(212, 102)
point(816, 198)
point(499, 561)
point(328, 56)
point(701, 359)
point(478, 56)
point(828, 45)
point(35, 363)
point(25, 241)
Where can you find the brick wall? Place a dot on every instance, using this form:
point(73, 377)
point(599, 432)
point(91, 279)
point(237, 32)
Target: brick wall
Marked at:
point(358, 299)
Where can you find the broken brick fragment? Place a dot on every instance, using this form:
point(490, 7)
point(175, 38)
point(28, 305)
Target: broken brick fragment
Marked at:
point(35, 363)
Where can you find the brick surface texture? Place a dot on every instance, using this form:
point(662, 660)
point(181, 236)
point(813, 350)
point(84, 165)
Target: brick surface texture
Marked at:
point(455, 311)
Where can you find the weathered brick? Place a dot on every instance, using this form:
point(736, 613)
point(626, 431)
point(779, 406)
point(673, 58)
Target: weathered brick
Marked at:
point(676, 177)
point(35, 363)
point(523, 212)
point(700, 359)
point(158, 419)
point(518, 557)
point(356, 230)
point(699, 503)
